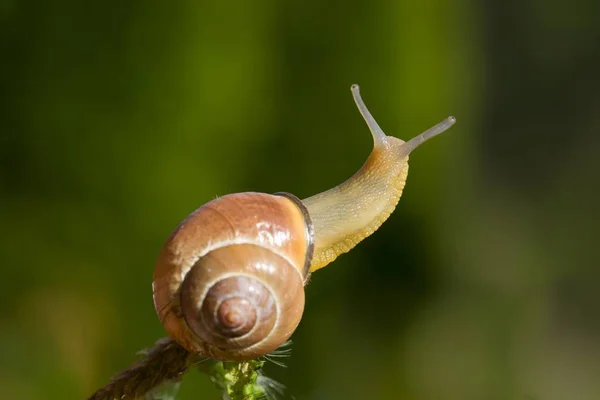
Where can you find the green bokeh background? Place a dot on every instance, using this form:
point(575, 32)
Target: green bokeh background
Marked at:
point(117, 119)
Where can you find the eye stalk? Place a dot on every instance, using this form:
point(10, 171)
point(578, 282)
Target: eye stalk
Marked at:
point(428, 134)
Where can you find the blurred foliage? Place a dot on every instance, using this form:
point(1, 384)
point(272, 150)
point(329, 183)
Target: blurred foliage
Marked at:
point(120, 118)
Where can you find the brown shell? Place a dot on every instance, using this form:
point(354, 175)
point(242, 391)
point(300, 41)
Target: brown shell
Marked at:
point(237, 234)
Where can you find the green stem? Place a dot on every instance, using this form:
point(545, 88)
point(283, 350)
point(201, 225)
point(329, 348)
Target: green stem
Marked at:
point(237, 380)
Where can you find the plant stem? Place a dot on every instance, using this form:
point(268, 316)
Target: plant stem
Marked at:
point(166, 361)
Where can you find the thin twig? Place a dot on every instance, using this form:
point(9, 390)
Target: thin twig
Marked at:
point(166, 361)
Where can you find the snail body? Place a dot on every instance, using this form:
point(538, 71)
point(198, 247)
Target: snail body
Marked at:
point(229, 282)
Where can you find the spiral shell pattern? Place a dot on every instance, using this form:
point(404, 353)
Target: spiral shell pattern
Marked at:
point(229, 282)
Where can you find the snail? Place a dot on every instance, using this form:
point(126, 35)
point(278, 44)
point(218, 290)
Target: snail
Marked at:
point(229, 282)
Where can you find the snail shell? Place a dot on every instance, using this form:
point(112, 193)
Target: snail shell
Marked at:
point(229, 282)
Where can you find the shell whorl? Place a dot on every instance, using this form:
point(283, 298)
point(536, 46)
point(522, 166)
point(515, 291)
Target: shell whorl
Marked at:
point(229, 281)
point(243, 297)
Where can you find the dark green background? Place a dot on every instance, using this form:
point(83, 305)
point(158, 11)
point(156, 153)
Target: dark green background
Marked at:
point(117, 119)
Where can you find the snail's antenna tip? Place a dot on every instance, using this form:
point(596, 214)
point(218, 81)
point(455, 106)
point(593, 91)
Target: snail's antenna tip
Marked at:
point(428, 134)
point(378, 136)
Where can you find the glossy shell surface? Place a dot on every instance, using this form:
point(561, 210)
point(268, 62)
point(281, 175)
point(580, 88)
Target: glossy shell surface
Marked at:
point(253, 235)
